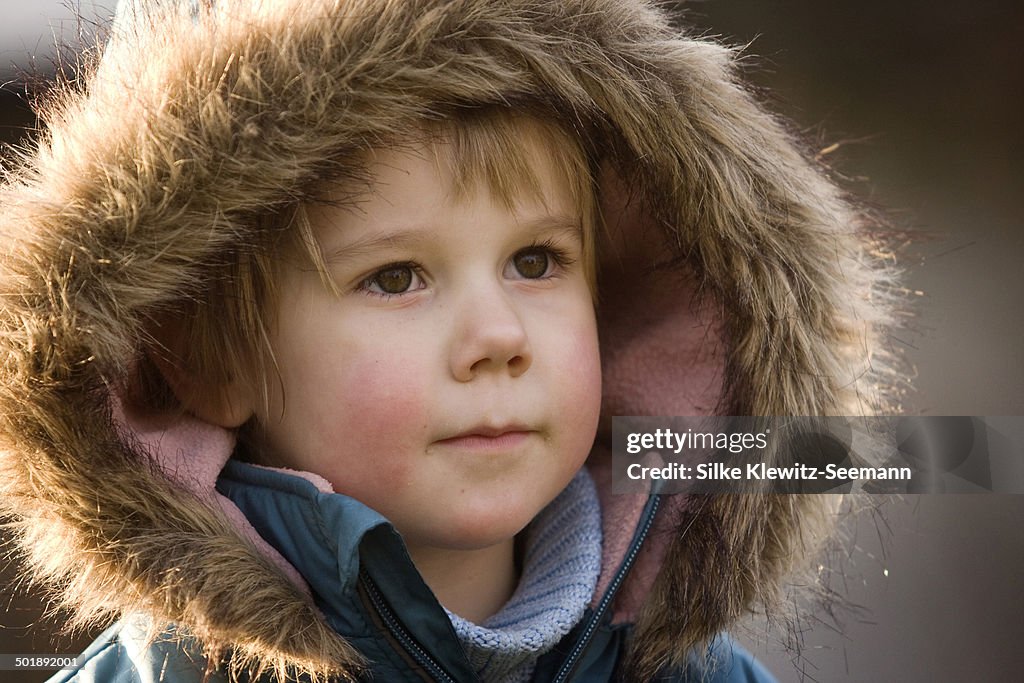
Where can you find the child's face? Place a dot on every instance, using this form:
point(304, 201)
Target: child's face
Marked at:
point(454, 385)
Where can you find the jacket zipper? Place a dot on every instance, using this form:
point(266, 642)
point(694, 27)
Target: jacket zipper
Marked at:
point(647, 521)
point(404, 638)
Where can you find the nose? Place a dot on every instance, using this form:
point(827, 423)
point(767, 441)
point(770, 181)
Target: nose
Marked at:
point(489, 338)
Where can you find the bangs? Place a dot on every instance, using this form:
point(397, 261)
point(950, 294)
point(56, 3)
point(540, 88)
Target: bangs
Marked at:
point(499, 150)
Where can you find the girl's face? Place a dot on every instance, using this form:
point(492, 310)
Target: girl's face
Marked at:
point(454, 384)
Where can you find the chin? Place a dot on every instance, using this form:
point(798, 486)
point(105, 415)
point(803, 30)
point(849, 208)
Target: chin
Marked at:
point(477, 531)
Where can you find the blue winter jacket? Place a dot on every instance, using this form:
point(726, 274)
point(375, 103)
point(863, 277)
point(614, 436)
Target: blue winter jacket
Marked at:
point(365, 584)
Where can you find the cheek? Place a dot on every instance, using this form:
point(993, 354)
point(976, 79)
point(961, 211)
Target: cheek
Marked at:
point(585, 365)
point(370, 417)
point(385, 400)
point(581, 396)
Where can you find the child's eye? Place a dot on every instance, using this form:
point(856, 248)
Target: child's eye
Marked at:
point(397, 278)
point(531, 263)
point(538, 261)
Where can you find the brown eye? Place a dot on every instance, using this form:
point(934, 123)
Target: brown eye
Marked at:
point(531, 263)
point(391, 280)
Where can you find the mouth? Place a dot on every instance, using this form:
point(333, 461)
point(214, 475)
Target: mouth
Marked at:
point(489, 438)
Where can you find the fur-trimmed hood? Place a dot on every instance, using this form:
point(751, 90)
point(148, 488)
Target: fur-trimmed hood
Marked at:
point(734, 279)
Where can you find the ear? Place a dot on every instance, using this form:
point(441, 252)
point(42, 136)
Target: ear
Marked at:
point(225, 405)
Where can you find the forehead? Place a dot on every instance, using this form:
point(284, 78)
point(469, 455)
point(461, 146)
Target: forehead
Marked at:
point(507, 154)
point(514, 174)
point(425, 178)
point(413, 193)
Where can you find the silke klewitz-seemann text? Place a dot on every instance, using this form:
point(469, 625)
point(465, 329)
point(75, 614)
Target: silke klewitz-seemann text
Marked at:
point(717, 471)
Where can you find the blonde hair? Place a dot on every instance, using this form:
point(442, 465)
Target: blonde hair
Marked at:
point(225, 330)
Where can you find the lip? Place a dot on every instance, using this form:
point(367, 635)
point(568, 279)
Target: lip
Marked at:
point(488, 438)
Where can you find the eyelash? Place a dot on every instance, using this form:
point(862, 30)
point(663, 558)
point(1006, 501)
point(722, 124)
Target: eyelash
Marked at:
point(561, 258)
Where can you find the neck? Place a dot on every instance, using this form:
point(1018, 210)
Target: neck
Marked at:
point(473, 584)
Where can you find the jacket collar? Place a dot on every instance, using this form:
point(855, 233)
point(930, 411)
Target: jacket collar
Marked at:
point(361, 576)
point(355, 563)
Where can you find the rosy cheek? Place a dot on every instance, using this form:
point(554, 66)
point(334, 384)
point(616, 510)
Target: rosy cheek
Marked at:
point(381, 416)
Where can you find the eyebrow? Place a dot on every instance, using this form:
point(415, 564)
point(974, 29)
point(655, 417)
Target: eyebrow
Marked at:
point(375, 242)
point(416, 236)
point(566, 224)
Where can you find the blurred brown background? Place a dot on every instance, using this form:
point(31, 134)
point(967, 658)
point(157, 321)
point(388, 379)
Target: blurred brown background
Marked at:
point(925, 101)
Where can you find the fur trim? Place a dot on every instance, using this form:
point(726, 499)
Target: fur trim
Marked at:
point(148, 168)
